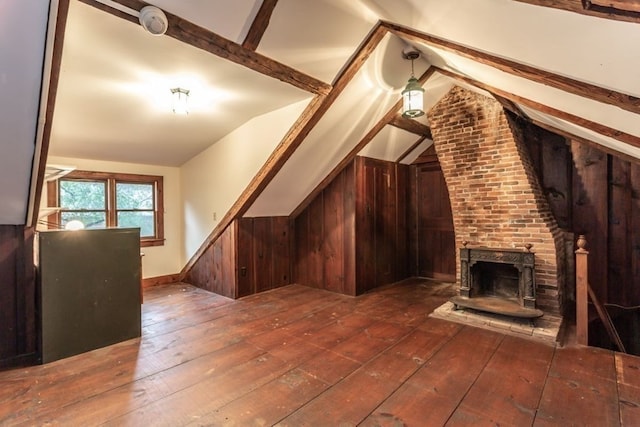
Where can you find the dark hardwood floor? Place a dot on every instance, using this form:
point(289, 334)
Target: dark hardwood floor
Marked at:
point(299, 356)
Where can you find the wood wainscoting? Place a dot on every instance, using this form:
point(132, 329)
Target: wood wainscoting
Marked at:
point(17, 296)
point(160, 280)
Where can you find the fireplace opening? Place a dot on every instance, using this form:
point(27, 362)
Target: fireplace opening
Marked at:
point(496, 280)
point(500, 281)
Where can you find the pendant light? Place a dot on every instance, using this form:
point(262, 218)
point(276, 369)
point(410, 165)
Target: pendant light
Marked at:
point(413, 93)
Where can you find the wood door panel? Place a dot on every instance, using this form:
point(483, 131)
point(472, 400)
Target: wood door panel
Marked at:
point(434, 224)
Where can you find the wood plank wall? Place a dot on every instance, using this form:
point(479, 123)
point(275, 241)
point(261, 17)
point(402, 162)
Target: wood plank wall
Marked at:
point(432, 247)
point(264, 247)
point(324, 249)
point(598, 195)
point(17, 295)
point(215, 271)
point(381, 223)
point(353, 236)
point(252, 255)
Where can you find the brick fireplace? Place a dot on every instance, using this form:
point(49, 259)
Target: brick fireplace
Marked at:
point(496, 199)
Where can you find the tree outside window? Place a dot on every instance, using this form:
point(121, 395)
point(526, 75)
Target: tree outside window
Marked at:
point(104, 200)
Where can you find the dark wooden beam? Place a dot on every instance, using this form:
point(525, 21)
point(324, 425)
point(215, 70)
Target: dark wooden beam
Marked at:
point(259, 25)
point(624, 10)
point(623, 5)
point(571, 118)
point(570, 136)
point(412, 126)
point(201, 38)
point(291, 141)
point(385, 120)
point(509, 105)
point(54, 78)
point(410, 149)
point(584, 89)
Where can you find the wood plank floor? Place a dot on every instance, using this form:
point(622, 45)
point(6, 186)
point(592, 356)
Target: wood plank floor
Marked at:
point(298, 356)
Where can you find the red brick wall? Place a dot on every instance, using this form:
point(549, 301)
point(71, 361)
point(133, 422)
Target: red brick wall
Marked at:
point(495, 196)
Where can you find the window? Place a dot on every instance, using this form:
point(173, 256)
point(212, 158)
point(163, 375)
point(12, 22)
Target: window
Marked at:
point(103, 200)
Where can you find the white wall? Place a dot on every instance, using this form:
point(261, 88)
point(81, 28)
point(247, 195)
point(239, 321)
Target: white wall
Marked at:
point(157, 260)
point(214, 179)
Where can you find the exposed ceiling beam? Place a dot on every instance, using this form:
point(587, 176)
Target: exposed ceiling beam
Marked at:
point(385, 120)
point(189, 33)
point(619, 10)
point(584, 89)
point(259, 25)
point(628, 5)
point(410, 149)
point(509, 105)
point(571, 118)
point(291, 141)
point(412, 126)
point(571, 136)
point(54, 77)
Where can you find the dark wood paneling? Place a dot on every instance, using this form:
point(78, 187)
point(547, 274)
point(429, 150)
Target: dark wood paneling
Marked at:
point(245, 257)
point(252, 255)
point(624, 233)
point(263, 254)
point(349, 221)
point(590, 210)
point(412, 218)
point(634, 231)
point(333, 241)
point(262, 270)
point(435, 237)
point(215, 270)
point(381, 249)
point(8, 281)
point(365, 245)
point(316, 233)
point(594, 193)
point(552, 160)
point(556, 176)
point(301, 249)
point(619, 251)
point(17, 290)
point(329, 238)
point(402, 246)
point(385, 212)
point(325, 236)
point(280, 251)
point(224, 282)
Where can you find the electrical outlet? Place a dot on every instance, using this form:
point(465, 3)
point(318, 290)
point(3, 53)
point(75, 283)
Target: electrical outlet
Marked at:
point(215, 216)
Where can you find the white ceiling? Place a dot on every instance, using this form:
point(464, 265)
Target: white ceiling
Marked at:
point(114, 94)
point(115, 78)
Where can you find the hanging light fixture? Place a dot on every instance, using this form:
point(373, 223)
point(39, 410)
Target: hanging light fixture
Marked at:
point(413, 93)
point(179, 100)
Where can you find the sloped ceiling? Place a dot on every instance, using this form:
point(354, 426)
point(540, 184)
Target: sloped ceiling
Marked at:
point(111, 70)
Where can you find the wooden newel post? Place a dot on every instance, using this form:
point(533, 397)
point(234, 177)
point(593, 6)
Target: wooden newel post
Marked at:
point(582, 292)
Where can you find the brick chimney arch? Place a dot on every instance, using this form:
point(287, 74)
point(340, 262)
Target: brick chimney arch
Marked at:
point(496, 198)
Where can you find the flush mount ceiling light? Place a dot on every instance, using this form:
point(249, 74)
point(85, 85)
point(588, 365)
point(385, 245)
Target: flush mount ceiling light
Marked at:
point(179, 100)
point(153, 20)
point(413, 93)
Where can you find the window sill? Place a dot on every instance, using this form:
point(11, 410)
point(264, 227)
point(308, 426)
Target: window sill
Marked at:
point(145, 243)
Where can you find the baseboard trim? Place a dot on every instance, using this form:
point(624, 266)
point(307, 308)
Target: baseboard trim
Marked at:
point(160, 280)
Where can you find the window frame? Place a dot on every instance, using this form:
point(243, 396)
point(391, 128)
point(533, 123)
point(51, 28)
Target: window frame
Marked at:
point(111, 179)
